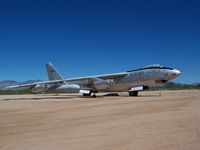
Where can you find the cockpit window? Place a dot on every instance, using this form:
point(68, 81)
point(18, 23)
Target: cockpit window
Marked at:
point(156, 66)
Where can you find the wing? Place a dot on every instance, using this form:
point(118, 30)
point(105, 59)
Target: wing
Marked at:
point(97, 77)
point(86, 81)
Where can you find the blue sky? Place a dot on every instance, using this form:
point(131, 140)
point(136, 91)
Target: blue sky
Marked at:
point(95, 37)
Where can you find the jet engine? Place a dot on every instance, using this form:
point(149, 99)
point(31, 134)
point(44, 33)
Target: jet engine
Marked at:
point(67, 88)
point(39, 88)
point(103, 84)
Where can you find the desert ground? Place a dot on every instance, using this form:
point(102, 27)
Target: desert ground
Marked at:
point(158, 120)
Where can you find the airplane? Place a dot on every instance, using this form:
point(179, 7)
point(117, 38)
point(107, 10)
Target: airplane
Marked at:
point(131, 81)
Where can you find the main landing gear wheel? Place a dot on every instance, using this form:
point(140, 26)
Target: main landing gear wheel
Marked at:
point(84, 94)
point(133, 93)
point(90, 94)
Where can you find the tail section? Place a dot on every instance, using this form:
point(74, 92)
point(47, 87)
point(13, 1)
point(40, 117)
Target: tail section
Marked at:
point(53, 74)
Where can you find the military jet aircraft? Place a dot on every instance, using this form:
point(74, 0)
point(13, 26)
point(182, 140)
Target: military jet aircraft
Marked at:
point(131, 81)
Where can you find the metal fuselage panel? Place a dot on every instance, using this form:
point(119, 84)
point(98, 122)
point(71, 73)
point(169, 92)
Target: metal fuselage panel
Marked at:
point(137, 78)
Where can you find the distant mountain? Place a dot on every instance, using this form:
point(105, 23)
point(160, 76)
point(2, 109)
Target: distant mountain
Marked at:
point(6, 83)
point(29, 81)
point(176, 86)
point(196, 83)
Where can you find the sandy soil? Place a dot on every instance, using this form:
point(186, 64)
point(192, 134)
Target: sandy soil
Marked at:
point(151, 121)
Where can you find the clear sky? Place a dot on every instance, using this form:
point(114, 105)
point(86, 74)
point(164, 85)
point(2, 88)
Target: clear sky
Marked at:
point(95, 37)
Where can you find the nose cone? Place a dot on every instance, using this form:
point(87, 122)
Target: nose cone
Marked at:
point(171, 74)
point(176, 72)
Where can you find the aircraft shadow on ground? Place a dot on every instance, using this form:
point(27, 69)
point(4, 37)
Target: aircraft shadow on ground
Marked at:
point(116, 94)
point(152, 95)
point(112, 94)
point(79, 96)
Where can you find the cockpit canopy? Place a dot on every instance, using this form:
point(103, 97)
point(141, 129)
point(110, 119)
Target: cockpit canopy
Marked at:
point(154, 66)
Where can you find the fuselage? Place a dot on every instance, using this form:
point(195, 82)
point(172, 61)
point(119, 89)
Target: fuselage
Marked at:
point(146, 77)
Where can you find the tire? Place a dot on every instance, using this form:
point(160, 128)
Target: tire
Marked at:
point(84, 94)
point(87, 94)
point(133, 93)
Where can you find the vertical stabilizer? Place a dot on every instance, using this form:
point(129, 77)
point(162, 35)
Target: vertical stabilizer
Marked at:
point(53, 74)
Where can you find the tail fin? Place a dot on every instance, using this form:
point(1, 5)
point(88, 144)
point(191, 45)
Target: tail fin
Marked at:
point(53, 74)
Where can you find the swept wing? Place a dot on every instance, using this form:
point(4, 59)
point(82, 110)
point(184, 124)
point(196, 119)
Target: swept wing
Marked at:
point(81, 80)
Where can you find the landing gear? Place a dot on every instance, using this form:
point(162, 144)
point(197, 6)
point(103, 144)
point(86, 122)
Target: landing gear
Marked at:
point(84, 94)
point(133, 93)
point(90, 94)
